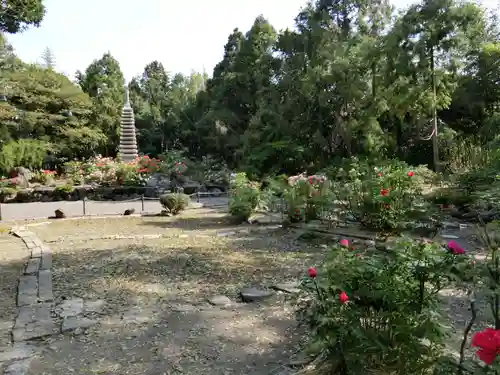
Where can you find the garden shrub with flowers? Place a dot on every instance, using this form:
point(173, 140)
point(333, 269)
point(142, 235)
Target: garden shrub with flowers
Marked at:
point(306, 196)
point(44, 177)
point(376, 310)
point(110, 172)
point(388, 197)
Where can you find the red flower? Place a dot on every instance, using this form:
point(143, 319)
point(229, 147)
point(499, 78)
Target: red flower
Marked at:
point(411, 174)
point(343, 297)
point(379, 174)
point(312, 272)
point(384, 192)
point(344, 243)
point(488, 342)
point(455, 248)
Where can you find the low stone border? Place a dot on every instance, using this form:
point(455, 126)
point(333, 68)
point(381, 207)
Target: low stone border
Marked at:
point(34, 302)
point(34, 293)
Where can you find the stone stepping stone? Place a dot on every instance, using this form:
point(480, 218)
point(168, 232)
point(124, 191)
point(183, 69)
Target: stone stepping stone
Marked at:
point(94, 306)
point(74, 323)
point(252, 294)
point(220, 300)
point(17, 352)
point(226, 234)
point(291, 288)
point(70, 307)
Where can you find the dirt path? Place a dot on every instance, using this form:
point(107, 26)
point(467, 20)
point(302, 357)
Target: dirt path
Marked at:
point(148, 288)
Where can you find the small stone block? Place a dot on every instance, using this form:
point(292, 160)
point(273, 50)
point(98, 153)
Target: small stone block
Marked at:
point(28, 290)
point(72, 323)
point(45, 285)
point(36, 252)
point(32, 314)
point(46, 263)
point(32, 266)
point(46, 249)
point(38, 242)
point(30, 244)
point(254, 294)
point(94, 306)
point(219, 301)
point(21, 367)
point(287, 287)
point(70, 307)
point(16, 352)
point(33, 331)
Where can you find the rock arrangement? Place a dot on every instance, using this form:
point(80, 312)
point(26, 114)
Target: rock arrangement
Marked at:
point(38, 317)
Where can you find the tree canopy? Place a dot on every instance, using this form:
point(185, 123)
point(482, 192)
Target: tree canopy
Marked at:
point(353, 78)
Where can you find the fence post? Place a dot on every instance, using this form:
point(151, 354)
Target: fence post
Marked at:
point(142, 203)
point(197, 196)
point(84, 206)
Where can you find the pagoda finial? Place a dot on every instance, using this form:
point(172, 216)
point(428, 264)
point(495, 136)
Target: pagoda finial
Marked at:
point(127, 96)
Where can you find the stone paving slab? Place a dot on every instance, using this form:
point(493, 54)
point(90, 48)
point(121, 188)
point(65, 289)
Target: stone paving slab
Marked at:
point(33, 266)
point(45, 286)
point(28, 290)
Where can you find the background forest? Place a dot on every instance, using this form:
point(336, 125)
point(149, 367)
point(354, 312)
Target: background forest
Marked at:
point(355, 78)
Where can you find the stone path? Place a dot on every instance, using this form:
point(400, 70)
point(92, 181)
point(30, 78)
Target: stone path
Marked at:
point(37, 316)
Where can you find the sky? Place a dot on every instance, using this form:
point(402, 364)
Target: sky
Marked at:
point(183, 35)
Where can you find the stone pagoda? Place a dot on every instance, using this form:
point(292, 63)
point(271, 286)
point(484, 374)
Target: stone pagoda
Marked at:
point(128, 141)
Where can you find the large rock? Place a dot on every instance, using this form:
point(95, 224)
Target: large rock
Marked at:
point(23, 176)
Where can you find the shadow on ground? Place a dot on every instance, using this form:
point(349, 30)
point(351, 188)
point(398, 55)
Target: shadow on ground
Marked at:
point(156, 319)
point(218, 221)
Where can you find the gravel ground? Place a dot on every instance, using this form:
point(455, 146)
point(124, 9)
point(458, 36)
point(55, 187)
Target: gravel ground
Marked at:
point(155, 277)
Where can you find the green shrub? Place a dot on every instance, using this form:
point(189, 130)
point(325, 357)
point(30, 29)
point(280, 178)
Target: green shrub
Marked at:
point(44, 177)
point(175, 202)
point(388, 197)
point(244, 197)
point(377, 311)
point(66, 188)
point(28, 153)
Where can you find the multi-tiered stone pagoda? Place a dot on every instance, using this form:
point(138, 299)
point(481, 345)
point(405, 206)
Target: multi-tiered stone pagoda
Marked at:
point(128, 141)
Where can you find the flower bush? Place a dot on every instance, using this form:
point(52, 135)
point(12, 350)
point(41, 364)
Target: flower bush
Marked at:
point(244, 197)
point(109, 172)
point(376, 311)
point(388, 197)
point(44, 177)
point(306, 196)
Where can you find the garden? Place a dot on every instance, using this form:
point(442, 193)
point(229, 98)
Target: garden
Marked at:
point(368, 136)
point(102, 178)
point(375, 303)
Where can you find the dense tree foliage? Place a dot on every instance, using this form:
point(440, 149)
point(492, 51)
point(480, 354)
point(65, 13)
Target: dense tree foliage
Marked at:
point(354, 77)
point(16, 15)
